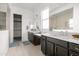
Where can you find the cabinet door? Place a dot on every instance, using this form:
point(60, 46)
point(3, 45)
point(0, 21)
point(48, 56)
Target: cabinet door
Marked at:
point(36, 40)
point(71, 53)
point(49, 49)
point(43, 45)
point(74, 47)
point(60, 51)
point(30, 36)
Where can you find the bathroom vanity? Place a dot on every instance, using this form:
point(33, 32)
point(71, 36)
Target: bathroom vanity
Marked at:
point(34, 38)
point(59, 45)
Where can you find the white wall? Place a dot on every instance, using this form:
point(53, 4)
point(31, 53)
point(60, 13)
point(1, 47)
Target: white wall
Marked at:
point(27, 17)
point(76, 18)
point(60, 9)
point(3, 7)
point(37, 18)
point(57, 10)
point(4, 35)
point(4, 42)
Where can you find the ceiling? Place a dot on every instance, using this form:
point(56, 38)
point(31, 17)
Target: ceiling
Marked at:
point(29, 6)
point(34, 6)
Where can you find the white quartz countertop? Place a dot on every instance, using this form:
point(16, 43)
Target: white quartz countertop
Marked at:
point(65, 37)
point(38, 34)
point(68, 38)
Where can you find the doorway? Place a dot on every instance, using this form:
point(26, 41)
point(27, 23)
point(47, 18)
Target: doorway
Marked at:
point(17, 27)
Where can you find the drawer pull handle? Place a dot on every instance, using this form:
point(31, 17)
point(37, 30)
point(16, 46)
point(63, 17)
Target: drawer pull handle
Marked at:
point(76, 48)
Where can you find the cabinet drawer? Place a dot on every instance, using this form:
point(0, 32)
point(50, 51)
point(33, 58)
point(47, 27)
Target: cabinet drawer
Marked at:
point(43, 37)
point(43, 47)
point(74, 47)
point(58, 41)
point(71, 53)
point(36, 40)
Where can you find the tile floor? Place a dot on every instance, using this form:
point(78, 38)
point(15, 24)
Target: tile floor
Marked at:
point(25, 50)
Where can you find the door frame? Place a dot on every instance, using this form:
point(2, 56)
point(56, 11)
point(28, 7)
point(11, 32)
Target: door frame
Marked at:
point(13, 25)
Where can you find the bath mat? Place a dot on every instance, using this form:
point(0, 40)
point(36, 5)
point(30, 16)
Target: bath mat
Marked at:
point(14, 44)
point(26, 43)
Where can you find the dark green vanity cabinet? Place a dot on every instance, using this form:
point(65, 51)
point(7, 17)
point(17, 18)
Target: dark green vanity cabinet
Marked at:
point(49, 48)
point(72, 53)
point(73, 49)
point(46, 46)
point(56, 47)
point(30, 37)
point(34, 39)
point(60, 51)
point(43, 44)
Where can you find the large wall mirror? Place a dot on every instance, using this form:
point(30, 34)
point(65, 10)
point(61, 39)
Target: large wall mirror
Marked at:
point(62, 20)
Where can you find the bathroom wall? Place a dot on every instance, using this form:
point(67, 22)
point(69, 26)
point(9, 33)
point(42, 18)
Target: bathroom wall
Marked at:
point(27, 18)
point(75, 7)
point(76, 18)
point(3, 7)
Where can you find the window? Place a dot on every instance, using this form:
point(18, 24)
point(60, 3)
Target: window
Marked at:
point(71, 23)
point(45, 19)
